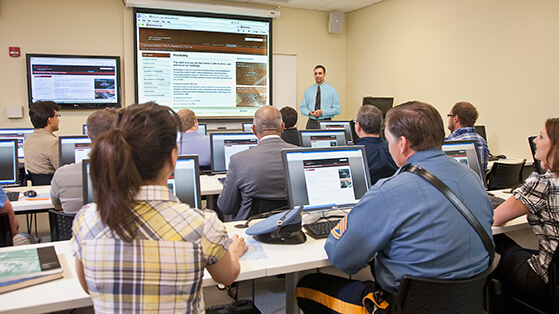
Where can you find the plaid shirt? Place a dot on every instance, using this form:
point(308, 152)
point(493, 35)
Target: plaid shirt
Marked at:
point(469, 133)
point(161, 270)
point(540, 194)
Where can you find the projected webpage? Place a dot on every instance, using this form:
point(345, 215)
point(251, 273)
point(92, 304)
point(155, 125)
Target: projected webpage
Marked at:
point(214, 66)
point(329, 181)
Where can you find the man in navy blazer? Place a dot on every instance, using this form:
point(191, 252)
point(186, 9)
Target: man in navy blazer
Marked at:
point(256, 172)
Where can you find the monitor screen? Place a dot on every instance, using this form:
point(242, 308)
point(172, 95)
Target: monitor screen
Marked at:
point(184, 182)
point(480, 129)
point(325, 178)
point(339, 125)
point(74, 81)
point(8, 161)
point(203, 128)
point(217, 65)
point(84, 129)
point(223, 145)
point(19, 134)
point(247, 127)
point(466, 153)
point(73, 149)
point(383, 103)
point(322, 138)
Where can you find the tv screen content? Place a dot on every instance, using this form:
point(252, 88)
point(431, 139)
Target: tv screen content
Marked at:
point(74, 82)
point(216, 65)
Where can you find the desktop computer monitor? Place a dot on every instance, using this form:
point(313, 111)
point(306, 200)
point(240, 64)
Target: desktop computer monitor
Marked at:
point(8, 162)
point(223, 145)
point(383, 103)
point(466, 153)
point(73, 149)
point(480, 129)
point(19, 134)
point(202, 128)
point(323, 179)
point(247, 127)
point(84, 129)
point(346, 126)
point(322, 138)
point(184, 181)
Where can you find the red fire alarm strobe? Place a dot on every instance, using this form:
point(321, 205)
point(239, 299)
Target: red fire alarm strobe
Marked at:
point(15, 52)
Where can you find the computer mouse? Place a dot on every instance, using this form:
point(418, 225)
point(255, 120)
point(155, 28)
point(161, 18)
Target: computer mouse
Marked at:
point(501, 156)
point(30, 193)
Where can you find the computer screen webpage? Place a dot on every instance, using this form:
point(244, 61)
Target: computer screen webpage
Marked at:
point(223, 146)
point(184, 181)
point(73, 149)
point(202, 128)
point(338, 125)
point(8, 161)
point(17, 134)
point(466, 153)
point(325, 178)
point(217, 65)
point(247, 127)
point(322, 138)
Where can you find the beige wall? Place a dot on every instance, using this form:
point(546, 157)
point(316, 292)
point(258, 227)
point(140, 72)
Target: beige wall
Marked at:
point(501, 55)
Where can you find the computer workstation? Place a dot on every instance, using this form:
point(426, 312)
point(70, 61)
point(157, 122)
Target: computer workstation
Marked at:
point(19, 134)
point(347, 126)
point(322, 138)
point(224, 145)
point(73, 149)
point(9, 165)
point(247, 127)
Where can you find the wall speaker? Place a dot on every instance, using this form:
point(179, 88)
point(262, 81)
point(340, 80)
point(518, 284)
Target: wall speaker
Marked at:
point(335, 22)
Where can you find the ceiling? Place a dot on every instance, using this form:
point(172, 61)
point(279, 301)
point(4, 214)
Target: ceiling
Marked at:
point(319, 5)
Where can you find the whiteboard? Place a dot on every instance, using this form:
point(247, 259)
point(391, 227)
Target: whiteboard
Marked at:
point(285, 80)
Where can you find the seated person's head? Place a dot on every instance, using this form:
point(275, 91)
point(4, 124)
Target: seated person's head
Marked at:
point(43, 114)
point(289, 116)
point(463, 114)
point(414, 126)
point(369, 119)
point(267, 121)
point(140, 150)
point(100, 121)
point(547, 145)
point(188, 120)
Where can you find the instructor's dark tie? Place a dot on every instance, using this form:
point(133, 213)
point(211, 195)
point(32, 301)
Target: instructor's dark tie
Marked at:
point(317, 101)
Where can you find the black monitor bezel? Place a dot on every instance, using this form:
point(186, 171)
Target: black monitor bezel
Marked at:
point(300, 135)
point(15, 163)
point(62, 137)
point(212, 148)
point(352, 139)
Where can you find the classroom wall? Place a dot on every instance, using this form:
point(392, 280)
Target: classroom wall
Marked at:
point(500, 55)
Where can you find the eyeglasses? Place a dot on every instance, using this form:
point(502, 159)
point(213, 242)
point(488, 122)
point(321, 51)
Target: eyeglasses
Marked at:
point(57, 115)
point(450, 115)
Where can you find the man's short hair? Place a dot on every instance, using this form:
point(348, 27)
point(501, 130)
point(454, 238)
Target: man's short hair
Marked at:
point(419, 122)
point(289, 116)
point(370, 119)
point(187, 119)
point(100, 121)
point(267, 119)
point(320, 66)
point(466, 112)
point(41, 111)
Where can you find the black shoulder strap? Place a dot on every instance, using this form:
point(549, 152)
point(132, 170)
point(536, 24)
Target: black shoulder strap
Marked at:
point(454, 199)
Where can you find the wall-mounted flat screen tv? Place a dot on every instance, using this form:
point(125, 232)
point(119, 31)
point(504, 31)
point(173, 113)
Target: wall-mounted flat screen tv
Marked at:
point(74, 81)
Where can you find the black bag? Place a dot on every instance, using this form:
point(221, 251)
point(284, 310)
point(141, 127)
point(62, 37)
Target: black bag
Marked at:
point(238, 307)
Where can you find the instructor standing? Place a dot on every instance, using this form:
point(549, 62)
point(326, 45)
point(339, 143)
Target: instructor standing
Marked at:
point(321, 101)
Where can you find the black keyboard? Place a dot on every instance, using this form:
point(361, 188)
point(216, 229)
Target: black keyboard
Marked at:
point(496, 201)
point(320, 229)
point(13, 196)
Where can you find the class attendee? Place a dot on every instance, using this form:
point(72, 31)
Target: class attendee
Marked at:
point(66, 192)
point(461, 120)
point(320, 101)
point(191, 141)
point(6, 208)
point(41, 147)
point(525, 273)
point(289, 117)
point(139, 226)
point(256, 172)
point(368, 127)
point(403, 224)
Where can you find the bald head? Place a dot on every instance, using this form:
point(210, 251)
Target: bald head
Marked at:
point(267, 121)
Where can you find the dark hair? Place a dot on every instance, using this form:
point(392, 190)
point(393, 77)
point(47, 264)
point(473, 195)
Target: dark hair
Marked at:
point(370, 119)
point(41, 111)
point(123, 158)
point(420, 123)
point(466, 112)
point(552, 129)
point(100, 121)
point(320, 66)
point(289, 116)
point(267, 119)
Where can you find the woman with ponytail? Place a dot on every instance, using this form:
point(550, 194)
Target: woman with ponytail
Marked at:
point(138, 248)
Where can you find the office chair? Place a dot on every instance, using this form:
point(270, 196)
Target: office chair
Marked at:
point(40, 179)
point(60, 225)
point(429, 295)
point(505, 175)
point(537, 164)
point(261, 205)
point(5, 231)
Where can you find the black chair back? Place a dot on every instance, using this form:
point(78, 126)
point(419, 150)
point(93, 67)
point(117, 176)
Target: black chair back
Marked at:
point(429, 295)
point(40, 179)
point(505, 175)
point(537, 164)
point(5, 231)
point(60, 225)
point(261, 205)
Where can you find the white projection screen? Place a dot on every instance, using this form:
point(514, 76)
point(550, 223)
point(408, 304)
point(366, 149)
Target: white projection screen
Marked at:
point(217, 65)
